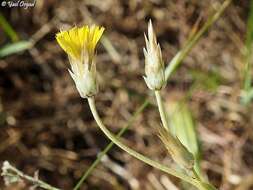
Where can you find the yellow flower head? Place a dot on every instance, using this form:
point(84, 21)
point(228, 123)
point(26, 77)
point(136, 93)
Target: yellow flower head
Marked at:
point(78, 42)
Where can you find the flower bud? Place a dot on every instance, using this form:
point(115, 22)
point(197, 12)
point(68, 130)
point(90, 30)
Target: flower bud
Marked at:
point(154, 66)
point(176, 149)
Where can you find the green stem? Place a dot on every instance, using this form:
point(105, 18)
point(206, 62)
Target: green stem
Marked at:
point(161, 109)
point(8, 28)
point(109, 146)
point(137, 155)
point(196, 175)
point(246, 98)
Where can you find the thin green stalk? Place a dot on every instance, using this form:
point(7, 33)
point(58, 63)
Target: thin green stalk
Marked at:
point(139, 156)
point(247, 87)
point(109, 146)
point(8, 28)
point(248, 49)
point(205, 184)
point(161, 109)
point(178, 58)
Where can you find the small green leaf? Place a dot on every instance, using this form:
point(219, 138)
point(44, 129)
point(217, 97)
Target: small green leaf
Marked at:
point(14, 48)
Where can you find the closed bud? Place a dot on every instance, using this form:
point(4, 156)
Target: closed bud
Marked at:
point(154, 66)
point(176, 149)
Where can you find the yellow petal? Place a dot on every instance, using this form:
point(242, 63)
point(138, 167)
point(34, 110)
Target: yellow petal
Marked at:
point(76, 41)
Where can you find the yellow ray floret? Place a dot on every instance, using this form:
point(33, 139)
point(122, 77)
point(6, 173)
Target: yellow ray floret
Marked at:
point(79, 41)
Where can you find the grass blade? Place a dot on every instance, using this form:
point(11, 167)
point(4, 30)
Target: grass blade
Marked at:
point(14, 48)
point(8, 29)
point(178, 58)
point(248, 57)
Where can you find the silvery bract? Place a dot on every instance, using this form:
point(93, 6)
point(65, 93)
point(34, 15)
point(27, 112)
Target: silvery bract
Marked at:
point(154, 66)
point(85, 78)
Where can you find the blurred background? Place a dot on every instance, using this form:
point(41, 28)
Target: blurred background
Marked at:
point(46, 126)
